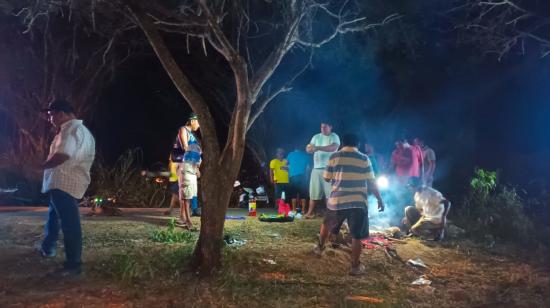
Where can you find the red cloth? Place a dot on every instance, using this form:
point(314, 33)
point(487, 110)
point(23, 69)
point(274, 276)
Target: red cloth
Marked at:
point(284, 208)
point(375, 242)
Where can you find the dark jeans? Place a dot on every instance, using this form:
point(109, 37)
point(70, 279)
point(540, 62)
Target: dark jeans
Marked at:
point(63, 213)
point(279, 188)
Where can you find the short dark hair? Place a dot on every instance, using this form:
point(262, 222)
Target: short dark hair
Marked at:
point(350, 140)
point(327, 122)
point(59, 105)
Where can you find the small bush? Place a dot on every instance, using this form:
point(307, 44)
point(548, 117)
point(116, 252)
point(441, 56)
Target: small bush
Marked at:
point(169, 235)
point(493, 211)
point(124, 181)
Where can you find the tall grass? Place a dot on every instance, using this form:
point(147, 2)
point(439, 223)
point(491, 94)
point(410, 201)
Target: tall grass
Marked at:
point(123, 180)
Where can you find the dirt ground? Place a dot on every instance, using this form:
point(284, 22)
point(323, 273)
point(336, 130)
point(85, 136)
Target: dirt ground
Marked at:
point(125, 268)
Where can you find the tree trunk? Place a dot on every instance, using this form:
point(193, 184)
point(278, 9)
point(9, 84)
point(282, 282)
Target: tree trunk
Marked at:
point(216, 189)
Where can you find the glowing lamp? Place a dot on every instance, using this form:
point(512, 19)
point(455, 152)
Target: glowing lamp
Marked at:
point(382, 182)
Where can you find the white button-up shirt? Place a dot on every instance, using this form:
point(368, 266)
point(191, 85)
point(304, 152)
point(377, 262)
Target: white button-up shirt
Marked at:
point(429, 202)
point(73, 175)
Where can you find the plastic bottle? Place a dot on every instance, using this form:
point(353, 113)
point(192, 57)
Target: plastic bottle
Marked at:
point(252, 207)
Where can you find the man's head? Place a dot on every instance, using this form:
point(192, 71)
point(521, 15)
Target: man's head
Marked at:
point(326, 128)
point(59, 111)
point(280, 153)
point(399, 144)
point(350, 140)
point(419, 142)
point(193, 121)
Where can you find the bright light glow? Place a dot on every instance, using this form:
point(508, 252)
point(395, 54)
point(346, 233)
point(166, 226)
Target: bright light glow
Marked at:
point(382, 182)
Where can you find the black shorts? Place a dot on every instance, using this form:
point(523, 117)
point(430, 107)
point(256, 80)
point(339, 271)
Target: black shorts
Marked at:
point(358, 221)
point(299, 185)
point(174, 188)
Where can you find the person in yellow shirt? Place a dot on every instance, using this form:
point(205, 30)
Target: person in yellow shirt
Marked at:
point(278, 173)
point(173, 186)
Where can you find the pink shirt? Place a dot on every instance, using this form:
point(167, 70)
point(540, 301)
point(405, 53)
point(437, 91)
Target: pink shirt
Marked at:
point(402, 158)
point(416, 163)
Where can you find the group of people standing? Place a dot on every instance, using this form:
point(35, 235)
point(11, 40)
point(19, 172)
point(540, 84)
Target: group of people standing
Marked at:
point(415, 160)
point(343, 178)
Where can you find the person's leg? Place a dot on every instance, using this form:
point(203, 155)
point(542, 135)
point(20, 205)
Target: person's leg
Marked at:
point(51, 230)
point(174, 201)
point(412, 215)
point(174, 197)
point(187, 215)
point(425, 228)
point(358, 221)
point(276, 193)
point(356, 247)
point(315, 191)
point(195, 206)
point(67, 209)
point(329, 221)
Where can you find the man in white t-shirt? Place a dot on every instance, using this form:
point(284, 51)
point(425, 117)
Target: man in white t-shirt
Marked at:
point(428, 164)
point(428, 215)
point(66, 178)
point(321, 146)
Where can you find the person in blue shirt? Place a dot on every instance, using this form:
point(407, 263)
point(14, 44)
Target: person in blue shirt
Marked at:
point(299, 163)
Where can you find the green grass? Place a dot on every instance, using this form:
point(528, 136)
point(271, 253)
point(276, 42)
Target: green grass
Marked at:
point(140, 262)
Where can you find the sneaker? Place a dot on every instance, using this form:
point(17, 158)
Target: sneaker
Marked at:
point(358, 270)
point(196, 213)
point(318, 251)
point(65, 272)
point(43, 253)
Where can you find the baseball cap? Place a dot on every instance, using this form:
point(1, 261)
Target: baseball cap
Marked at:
point(192, 116)
point(59, 105)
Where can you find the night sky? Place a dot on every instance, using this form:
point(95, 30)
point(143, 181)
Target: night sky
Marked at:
point(473, 110)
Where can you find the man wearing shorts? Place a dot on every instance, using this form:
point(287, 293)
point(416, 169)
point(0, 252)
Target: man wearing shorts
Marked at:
point(322, 146)
point(188, 169)
point(350, 174)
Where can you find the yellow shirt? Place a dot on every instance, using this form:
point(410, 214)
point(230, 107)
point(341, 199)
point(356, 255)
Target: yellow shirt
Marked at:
point(280, 170)
point(173, 171)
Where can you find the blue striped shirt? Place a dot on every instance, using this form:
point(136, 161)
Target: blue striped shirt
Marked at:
point(348, 171)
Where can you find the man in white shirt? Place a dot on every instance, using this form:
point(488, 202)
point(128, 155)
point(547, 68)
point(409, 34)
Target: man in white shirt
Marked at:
point(322, 145)
point(66, 178)
point(427, 217)
point(428, 155)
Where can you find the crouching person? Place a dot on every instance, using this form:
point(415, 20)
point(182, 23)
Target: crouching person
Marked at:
point(428, 217)
point(351, 177)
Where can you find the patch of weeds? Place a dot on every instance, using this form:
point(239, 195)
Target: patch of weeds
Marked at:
point(165, 265)
point(492, 211)
point(169, 235)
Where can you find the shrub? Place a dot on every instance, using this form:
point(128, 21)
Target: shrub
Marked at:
point(169, 234)
point(124, 181)
point(493, 211)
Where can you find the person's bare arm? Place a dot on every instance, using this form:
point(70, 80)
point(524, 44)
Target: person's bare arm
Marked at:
point(184, 138)
point(271, 176)
point(431, 168)
point(55, 160)
point(373, 188)
point(327, 148)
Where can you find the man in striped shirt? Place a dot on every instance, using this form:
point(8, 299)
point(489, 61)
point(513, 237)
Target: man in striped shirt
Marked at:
point(350, 174)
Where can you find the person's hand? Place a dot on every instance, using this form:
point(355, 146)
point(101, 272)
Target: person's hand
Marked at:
point(198, 173)
point(381, 205)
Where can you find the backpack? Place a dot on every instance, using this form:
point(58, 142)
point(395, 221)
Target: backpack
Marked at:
point(177, 152)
